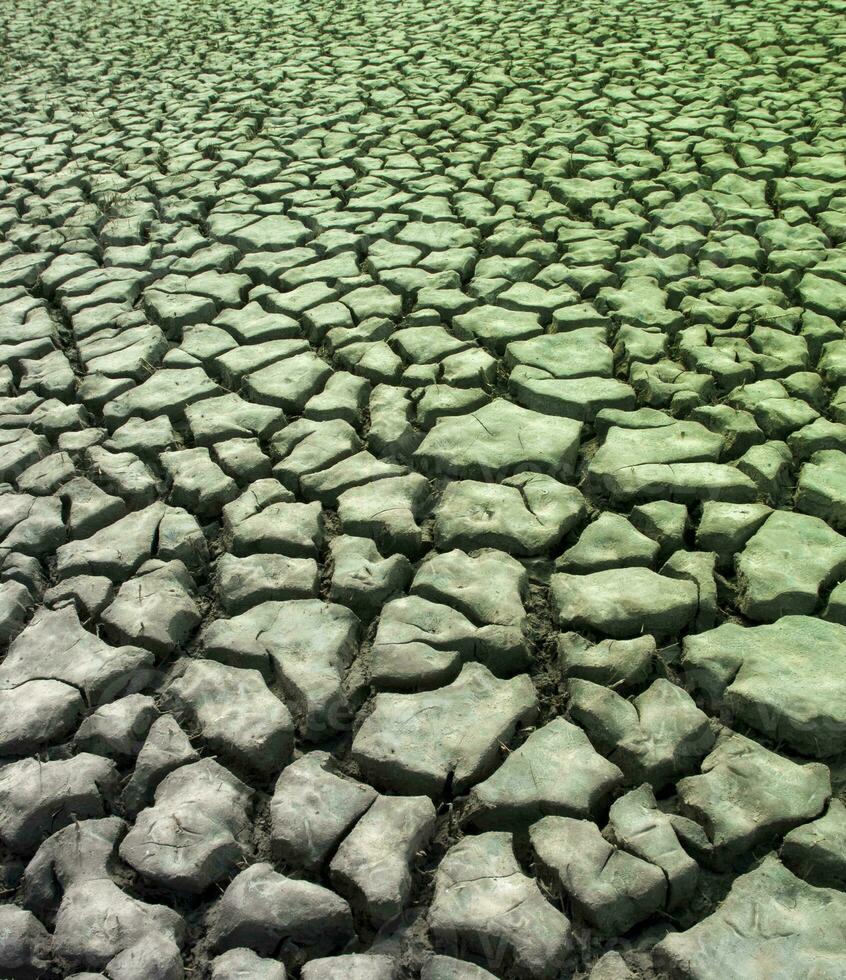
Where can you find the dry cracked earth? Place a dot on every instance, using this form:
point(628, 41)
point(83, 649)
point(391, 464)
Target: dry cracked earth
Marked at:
point(423, 505)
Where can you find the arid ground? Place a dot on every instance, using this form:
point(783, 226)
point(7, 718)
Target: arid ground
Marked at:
point(423, 490)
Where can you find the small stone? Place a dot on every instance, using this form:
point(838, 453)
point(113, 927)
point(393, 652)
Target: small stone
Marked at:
point(90, 594)
point(628, 452)
point(821, 490)
point(25, 945)
point(83, 851)
point(214, 420)
point(119, 549)
point(23, 569)
point(624, 602)
point(747, 795)
point(449, 968)
point(738, 428)
point(305, 644)
point(146, 438)
point(123, 475)
point(770, 920)
point(780, 417)
point(47, 475)
point(485, 905)
point(362, 579)
point(166, 748)
point(244, 964)
point(555, 771)
point(236, 363)
point(97, 921)
point(76, 441)
point(816, 851)
point(575, 353)
point(197, 832)
point(249, 232)
point(725, 528)
point(372, 868)
point(611, 966)
point(31, 525)
point(610, 542)
point(389, 511)
point(236, 713)
point(361, 469)
point(698, 567)
point(638, 825)
point(16, 603)
point(117, 730)
point(835, 610)
point(354, 966)
point(197, 483)
point(769, 467)
point(251, 323)
point(781, 679)
point(312, 809)
point(37, 798)
point(572, 398)
point(262, 910)
point(152, 956)
point(423, 644)
point(89, 507)
point(344, 397)
point(279, 527)
point(664, 522)
point(242, 459)
point(657, 736)
point(613, 663)
point(489, 587)
point(526, 514)
point(610, 888)
point(786, 564)
point(460, 726)
point(168, 392)
point(155, 609)
point(495, 327)
point(245, 582)
point(36, 714)
point(499, 440)
point(288, 384)
point(687, 483)
point(391, 433)
point(438, 401)
point(23, 453)
point(821, 435)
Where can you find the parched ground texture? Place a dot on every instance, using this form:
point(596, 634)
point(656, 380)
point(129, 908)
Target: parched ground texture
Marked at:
point(423, 490)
